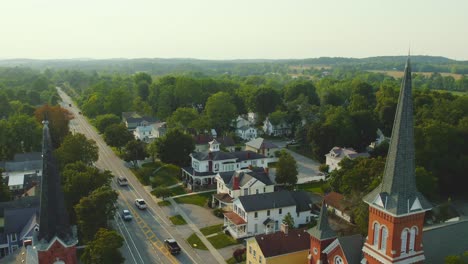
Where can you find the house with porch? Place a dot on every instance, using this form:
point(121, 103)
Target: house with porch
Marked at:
point(337, 154)
point(202, 142)
point(246, 132)
point(232, 184)
point(263, 213)
point(206, 165)
point(282, 128)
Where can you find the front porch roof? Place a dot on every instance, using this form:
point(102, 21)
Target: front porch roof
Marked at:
point(223, 197)
point(194, 173)
point(235, 218)
point(268, 221)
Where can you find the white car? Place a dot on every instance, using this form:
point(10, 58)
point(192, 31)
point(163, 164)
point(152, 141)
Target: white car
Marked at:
point(140, 203)
point(126, 215)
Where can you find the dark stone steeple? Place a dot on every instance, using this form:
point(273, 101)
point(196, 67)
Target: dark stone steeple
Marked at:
point(53, 219)
point(397, 194)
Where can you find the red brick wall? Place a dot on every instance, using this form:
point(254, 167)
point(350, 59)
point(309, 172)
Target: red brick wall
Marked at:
point(395, 226)
point(58, 252)
point(336, 252)
point(320, 246)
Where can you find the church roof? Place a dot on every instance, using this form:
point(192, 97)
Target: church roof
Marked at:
point(322, 230)
point(397, 194)
point(53, 217)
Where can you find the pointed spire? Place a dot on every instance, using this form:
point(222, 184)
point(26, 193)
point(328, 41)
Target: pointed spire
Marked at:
point(53, 218)
point(322, 230)
point(398, 193)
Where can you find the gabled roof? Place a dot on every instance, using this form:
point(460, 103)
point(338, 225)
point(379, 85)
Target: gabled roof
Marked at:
point(221, 155)
point(260, 143)
point(226, 141)
point(348, 153)
point(445, 239)
point(265, 201)
point(352, 248)
point(397, 193)
point(16, 219)
point(279, 243)
point(245, 176)
point(29, 156)
point(322, 230)
point(202, 139)
point(336, 200)
point(33, 221)
point(148, 119)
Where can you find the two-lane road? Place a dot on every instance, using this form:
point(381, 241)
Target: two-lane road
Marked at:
point(144, 235)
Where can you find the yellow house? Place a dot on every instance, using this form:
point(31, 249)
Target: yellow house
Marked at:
point(286, 246)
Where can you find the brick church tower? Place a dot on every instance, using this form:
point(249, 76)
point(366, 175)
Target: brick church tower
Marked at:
point(321, 236)
point(56, 241)
point(396, 208)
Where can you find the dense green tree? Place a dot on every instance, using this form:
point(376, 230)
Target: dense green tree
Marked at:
point(103, 121)
point(25, 133)
point(117, 135)
point(119, 100)
point(5, 107)
point(305, 88)
point(58, 118)
point(135, 150)
point(220, 111)
point(162, 192)
point(286, 169)
point(104, 248)
point(79, 180)
point(183, 118)
point(93, 105)
point(265, 101)
point(94, 211)
point(76, 147)
point(5, 194)
point(175, 147)
point(289, 220)
point(8, 147)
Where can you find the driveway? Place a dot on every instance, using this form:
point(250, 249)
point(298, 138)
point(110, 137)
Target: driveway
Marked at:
point(308, 168)
point(200, 216)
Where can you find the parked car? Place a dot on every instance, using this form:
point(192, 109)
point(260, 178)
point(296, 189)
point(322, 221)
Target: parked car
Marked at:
point(172, 246)
point(122, 181)
point(69, 105)
point(126, 215)
point(140, 203)
point(291, 142)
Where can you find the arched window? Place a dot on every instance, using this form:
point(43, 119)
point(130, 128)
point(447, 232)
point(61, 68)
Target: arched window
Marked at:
point(383, 244)
point(404, 240)
point(376, 233)
point(338, 260)
point(413, 232)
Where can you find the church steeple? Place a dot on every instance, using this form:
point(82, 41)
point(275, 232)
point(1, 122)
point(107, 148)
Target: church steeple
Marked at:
point(397, 194)
point(55, 240)
point(396, 208)
point(321, 236)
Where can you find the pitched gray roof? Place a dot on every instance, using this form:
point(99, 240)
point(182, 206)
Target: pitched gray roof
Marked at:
point(221, 155)
point(265, 201)
point(260, 143)
point(322, 230)
point(245, 176)
point(352, 248)
point(16, 219)
point(446, 239)
point(398, 192)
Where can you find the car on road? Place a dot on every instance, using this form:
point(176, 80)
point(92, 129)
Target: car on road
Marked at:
point(140, 203)
point(126, 215)
point(69, 105)
point(122, 181)
point(79, 113)
point(172, 246)
point(291, 142)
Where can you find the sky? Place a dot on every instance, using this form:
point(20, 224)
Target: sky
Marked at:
point(232, 29)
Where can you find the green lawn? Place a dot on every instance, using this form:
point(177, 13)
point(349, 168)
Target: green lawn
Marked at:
point(222, 240)
point(314, 187)
point(164, 203)
point(177, 220)
point(211, 229)
point(196, 199)
point(174, 191)
point(166, 174)
point(195, 242)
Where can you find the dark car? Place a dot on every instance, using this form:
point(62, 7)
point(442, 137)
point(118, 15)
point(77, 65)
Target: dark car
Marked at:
point(69, 105)
point(172, 246)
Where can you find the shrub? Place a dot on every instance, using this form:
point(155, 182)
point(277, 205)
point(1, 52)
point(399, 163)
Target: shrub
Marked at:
point(219, 212)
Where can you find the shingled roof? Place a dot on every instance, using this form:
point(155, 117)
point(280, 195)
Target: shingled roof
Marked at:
point(397, 194)
point(322, 230)
point(279, 243)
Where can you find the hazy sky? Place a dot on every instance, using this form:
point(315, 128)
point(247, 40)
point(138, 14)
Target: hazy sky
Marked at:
point(232, 29)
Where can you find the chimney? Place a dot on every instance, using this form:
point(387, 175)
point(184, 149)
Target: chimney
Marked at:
point(210, 155)
point(266, 170)
point(235, 182)
point(284, 228)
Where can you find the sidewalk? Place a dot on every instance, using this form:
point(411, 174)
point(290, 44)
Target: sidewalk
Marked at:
point(195, 229)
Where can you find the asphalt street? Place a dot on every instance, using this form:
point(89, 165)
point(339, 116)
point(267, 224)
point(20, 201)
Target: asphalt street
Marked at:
point(144, 235)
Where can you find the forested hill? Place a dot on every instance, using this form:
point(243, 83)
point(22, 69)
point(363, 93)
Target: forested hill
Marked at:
point(158, 66)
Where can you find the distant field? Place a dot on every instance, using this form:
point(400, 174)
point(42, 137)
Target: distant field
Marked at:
point(399, 74)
